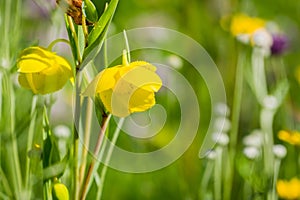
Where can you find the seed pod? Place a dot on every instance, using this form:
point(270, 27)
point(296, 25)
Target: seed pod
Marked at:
point(73, 8)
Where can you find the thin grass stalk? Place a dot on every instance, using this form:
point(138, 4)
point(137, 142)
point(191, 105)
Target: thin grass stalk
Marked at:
point(205, 179)
point(88, 179)
point(108, 157)
point(11, 146)
point(86, 139)
point(33, 115)
point(236, 109)
point(218, 174)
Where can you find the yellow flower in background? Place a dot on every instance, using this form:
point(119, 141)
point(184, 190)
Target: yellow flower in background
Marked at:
point(288, 189)
point(243, 24)
point(42, 71)
point(127, 88)
point(292, 137)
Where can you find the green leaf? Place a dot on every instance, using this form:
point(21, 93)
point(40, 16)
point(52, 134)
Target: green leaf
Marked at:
point(281, 91)
point(56, 170)
point(89, 10)
point(98, 33)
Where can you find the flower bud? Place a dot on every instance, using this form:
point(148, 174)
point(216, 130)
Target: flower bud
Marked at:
point(60, 192)
point(89, 10)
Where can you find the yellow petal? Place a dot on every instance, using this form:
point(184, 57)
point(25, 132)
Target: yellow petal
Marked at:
point(141, 100)
point(32, 64)
point(43, 71)
point(142, 77)
point(126, 89)
point(107, 79)
point(35, 59)
point(54, 79)
point(243, 24)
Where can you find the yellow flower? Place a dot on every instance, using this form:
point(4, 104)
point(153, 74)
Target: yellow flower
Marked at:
point(60, 192)
point(126, 88)
point(288, 189)
point(42, 71)
point(292, 137)
point(243, 24)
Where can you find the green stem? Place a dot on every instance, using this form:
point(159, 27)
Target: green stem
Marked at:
point(109, 153)
point(76, 138)
point(237, 100)
point(275, 177)
point(31, 131)
point(105, 122)
point(266, 123)
point(127, 46)
point(218, 174)
point(51, 45)
point(205, 179)
point(259, 75)
point(86, 139)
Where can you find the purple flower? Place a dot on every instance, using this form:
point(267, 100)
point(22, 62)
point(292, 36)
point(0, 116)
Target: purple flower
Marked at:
point(280, 44)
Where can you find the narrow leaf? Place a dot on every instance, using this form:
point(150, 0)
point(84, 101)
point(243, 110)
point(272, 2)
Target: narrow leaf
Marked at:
point(97, 35)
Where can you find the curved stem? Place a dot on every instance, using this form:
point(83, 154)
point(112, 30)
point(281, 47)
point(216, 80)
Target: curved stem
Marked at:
point(51, 45)
point(88, 179)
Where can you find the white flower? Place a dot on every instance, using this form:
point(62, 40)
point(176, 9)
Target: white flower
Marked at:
point(270, 102)
point(221, 109)
point(211, 154)
point(220, 138)
point(279, 151)
point(222, 124)
point(255, 139)
point(62, 131)
point(251, 152)
point(262, 38)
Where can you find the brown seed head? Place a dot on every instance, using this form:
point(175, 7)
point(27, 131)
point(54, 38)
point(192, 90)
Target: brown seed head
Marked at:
point(73, 9)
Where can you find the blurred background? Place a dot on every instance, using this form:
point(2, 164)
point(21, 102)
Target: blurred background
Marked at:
point(205, 22)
